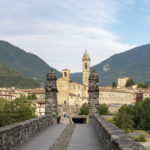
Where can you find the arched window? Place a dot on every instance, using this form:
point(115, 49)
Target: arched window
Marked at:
point(85, 65)
point(65, 74)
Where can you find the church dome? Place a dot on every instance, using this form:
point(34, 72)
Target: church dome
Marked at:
point(86, 56)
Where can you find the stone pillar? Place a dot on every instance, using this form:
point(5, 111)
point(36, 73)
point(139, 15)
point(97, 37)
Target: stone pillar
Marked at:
point(51, 96)
point(93, 91)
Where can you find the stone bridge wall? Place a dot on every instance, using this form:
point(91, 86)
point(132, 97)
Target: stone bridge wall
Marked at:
point(111, 137)
point(18, 133)
point(15, 134)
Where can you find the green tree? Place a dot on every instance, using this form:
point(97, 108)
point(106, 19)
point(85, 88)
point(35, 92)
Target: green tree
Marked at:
point(104, 110)
point(84, 110)
point(17, 110)
point(144, 85)
point(114, 84)
point(123, 120)
point(32, 97)
point(129, 83)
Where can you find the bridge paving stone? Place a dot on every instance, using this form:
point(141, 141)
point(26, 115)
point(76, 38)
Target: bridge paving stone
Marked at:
point(84, 138)
point(44, 139)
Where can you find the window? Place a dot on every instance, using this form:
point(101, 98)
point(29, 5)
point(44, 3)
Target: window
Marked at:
point(65, 74)
point(85, 65)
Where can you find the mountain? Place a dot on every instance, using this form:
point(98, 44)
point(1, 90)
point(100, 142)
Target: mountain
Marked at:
point(26, 63)
point(11, 78)
point(134, 63)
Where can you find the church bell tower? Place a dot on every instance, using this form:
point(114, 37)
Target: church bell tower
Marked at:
point(86, 68)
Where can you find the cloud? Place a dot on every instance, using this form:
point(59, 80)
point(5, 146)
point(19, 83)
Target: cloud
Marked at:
point(59, 32)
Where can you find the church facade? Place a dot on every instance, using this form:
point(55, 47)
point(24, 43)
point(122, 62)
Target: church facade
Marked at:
point(72, 93)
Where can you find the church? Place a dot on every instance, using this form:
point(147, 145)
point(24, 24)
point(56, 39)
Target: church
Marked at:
point(70, 93)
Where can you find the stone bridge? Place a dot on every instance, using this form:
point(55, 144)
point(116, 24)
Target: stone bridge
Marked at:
point(43, 133)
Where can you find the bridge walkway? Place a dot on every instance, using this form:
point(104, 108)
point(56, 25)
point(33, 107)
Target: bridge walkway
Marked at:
point(44, 139)
point(83, 138)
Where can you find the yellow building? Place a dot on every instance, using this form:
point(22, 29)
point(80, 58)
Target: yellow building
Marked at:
point(115, 98)
point(122, 81)
point(72, 93)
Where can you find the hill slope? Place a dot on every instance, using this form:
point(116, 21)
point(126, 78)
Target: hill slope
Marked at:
point(26, 63)
point(10, 78)
point(134, 63)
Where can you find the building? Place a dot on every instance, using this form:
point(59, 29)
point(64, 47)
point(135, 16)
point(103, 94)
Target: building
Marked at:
point(40, 107)
point(122, 81)
point(10, 93)
point(146, 94)
point(115, 98)
point(71, 93)
point(39, 92)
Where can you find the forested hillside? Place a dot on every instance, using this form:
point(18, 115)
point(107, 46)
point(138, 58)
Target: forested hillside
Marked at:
point(10, 78)
point(26, 63)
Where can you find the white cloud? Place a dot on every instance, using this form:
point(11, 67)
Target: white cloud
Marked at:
point(59, 32)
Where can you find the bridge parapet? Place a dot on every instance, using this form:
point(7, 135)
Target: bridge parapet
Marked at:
point(111, 137)
point(15, 134)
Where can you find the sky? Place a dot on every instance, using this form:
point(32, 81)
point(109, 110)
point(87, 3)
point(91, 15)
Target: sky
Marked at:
point(59, 31)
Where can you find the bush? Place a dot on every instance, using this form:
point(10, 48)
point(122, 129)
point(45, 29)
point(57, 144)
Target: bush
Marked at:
point(141, 138)
point(84, 110)
point(104, 110)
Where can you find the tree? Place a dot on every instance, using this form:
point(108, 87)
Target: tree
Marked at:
point(17, 110)
point(32, 97)
point(129, 83)
point(84, 110)
point(104, 110)
point(137, 116)
point(123, 120)
point(144, 85)
point(114, 84)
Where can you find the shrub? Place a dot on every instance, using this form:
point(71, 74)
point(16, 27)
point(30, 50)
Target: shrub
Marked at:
point(84, 110)
point(104, 110)
point(140, 138)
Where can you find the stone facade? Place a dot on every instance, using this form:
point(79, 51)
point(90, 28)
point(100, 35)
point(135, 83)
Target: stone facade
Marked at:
point(115, 98)
point(13, 135)
point(72, 94)
point(122, 81)
point(93, 91)
point(51, 96)
point(111, 137)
